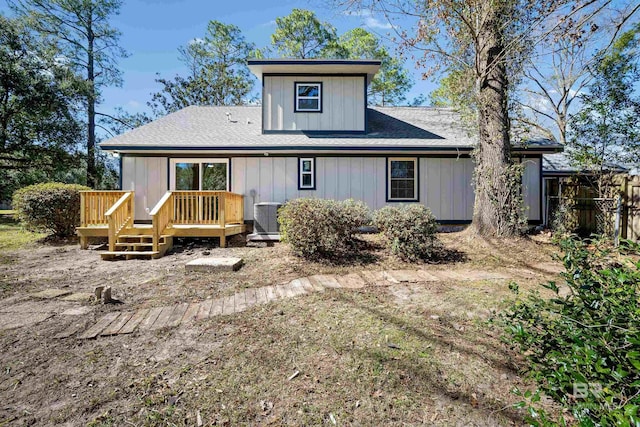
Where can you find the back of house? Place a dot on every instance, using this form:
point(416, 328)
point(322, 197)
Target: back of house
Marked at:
point(314, 136)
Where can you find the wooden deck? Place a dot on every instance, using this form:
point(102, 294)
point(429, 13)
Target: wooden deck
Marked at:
point(178, 214)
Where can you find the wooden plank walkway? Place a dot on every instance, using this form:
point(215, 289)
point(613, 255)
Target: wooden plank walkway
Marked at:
point(145, 319)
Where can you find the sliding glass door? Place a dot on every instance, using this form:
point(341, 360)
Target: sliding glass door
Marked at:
point(200, 174)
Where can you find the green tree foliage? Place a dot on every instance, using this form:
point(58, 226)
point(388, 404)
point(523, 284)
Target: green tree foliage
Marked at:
point(456, 91)
point(391, 84)
point(88, 45)
point(606, 130)
point(583, 346)
point(218, 72)
point(302, 35)
point(38, 94)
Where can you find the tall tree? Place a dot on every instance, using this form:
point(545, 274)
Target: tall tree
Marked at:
point(561, 68)
point(218, 73)
point(606, 130)
point(88, 44)
point(302, 35)
point(391, 84)
point(38, 95)
point(486, 38)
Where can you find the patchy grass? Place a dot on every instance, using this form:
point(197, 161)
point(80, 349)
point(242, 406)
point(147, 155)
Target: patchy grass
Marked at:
point(12, 235)
point(402, 354)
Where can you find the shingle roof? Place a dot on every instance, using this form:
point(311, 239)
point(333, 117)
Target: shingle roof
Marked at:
point(560, 164)
point(209, 128)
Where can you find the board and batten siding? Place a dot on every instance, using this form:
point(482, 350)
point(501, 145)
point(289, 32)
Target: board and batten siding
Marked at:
point(444, 183)
point(147, 176)
point(343, 104)
point(531, 188)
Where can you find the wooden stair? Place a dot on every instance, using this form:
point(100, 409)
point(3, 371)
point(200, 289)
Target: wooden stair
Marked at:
point(138, 243)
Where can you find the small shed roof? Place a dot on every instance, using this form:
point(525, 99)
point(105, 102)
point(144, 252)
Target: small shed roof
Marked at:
point(559, 164)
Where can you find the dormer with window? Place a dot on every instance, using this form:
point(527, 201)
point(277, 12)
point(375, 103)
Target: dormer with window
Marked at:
point(311, 95)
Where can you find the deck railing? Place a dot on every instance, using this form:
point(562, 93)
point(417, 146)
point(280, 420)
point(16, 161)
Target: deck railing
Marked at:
point(119, 217)
point(94, 206)
point(196, 208)
point(234, 208)
point(161, 217)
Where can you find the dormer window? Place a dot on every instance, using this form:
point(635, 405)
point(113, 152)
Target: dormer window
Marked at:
point(308, 97)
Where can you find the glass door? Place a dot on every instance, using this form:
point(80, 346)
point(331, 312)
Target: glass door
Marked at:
point(214, 176)
point(187, 176)
point(200, 174)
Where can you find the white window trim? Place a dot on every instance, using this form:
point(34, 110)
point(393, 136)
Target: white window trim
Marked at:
point(415, 179)
point(301, 186)
point(298, 97)
point(172, 170)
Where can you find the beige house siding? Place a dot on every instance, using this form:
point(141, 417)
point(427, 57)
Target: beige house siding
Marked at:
point(531, 187)
point(444, 185)
point(343, 104)
point(147, 176)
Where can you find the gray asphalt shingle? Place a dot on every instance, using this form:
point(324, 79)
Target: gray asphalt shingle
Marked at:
point(211, 127)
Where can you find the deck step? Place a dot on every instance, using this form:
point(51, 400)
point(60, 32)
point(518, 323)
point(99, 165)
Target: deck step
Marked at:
point(141, 244)
point(128, 254)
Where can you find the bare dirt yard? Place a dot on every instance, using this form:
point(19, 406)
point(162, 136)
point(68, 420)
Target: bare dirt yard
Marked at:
point(398, 354)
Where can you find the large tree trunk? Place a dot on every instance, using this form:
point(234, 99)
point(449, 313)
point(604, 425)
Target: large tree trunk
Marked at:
point(92, 173)
point(493, 205)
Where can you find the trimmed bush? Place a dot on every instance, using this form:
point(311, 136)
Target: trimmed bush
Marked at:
point(583, 346)
point(318, 228)
point(49, 207)
point(410, 231)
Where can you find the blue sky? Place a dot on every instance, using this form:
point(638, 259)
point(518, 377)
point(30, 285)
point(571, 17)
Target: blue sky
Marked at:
point(152, 31)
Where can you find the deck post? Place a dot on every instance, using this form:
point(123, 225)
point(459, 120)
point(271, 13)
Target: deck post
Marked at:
point(223, 222)
point(222, 201)
point(82, 211)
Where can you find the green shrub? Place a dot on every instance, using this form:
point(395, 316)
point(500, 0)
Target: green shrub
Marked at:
point(410, 231)
point(583, 349)
point(318, 228)
point(50, 207)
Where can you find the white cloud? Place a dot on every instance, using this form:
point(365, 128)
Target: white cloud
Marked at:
point(134, 105)
point(370, 20)
point(271, 23)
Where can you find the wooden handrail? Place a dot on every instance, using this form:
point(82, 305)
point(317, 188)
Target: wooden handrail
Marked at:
point(94, 206)
point(119, 216)
point(160, 218)
point(195, 208)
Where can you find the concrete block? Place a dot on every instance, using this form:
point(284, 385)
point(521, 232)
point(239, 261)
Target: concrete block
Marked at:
point(214, 264)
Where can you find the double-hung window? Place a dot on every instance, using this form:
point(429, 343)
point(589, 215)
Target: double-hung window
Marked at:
point(306, 173)
point(402, 184)
point(308, 97)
